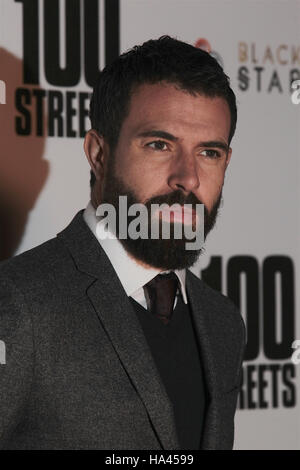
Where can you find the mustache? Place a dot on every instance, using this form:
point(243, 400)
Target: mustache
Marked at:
point(175, 197)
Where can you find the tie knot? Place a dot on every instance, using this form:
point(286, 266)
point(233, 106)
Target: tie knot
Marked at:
point(160, 294)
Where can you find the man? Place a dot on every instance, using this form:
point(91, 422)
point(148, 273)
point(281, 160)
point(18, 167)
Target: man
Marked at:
point(112, 343)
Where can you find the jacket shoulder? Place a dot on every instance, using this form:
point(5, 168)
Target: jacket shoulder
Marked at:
point(222, 310)
point(34, 261)
point(45, 274)
point(225, 327)
point(214, 297)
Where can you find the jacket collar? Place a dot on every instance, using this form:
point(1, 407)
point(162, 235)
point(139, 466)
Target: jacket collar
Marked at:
point(122, 326)
point(104, 289)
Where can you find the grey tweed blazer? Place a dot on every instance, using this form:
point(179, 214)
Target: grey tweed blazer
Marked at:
point(78, 373)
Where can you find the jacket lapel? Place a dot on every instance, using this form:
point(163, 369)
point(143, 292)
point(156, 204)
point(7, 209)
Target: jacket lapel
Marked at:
point(201, 316)
point(122, 327)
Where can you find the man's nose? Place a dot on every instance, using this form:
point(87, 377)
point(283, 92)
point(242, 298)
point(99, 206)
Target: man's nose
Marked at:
point(184, 173)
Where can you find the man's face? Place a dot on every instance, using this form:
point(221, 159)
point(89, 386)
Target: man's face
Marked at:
point(162, 146)
point(171, 144)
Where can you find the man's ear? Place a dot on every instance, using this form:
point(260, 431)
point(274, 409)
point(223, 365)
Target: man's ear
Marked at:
point(228, 157)
point(96, 151)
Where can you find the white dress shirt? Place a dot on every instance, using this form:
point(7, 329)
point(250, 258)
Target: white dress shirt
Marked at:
point(133, 276)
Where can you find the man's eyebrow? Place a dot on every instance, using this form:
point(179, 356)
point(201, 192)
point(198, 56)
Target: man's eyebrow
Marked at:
point(158, 133)
point(215, 143)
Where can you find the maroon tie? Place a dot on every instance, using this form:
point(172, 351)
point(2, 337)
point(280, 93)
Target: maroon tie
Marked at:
point(160, 295)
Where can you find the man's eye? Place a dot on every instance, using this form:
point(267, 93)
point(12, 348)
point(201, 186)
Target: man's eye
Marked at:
point(158, 145)
point(211, 153)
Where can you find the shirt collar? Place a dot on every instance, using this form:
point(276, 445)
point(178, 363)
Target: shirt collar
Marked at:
point(132, 275)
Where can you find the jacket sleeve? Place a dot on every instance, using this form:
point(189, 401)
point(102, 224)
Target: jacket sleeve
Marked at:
point(242, 353)
point(16, 358)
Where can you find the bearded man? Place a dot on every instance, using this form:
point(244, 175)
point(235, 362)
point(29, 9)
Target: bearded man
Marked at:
point(111, 341)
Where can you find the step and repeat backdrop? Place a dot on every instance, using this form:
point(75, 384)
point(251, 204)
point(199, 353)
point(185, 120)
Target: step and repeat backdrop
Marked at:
point(50, 53)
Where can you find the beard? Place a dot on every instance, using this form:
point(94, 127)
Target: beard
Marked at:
point(161, 253)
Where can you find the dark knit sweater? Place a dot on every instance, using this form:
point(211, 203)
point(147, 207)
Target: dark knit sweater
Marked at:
point(176, 354)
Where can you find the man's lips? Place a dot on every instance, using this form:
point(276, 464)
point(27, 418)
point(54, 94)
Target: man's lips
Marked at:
point(183, 214)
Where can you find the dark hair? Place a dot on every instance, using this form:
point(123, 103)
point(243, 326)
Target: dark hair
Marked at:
point(164, 59)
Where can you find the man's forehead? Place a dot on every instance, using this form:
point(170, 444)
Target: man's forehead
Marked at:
point(175, 128)
point(153, 105)
point(171, 91)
